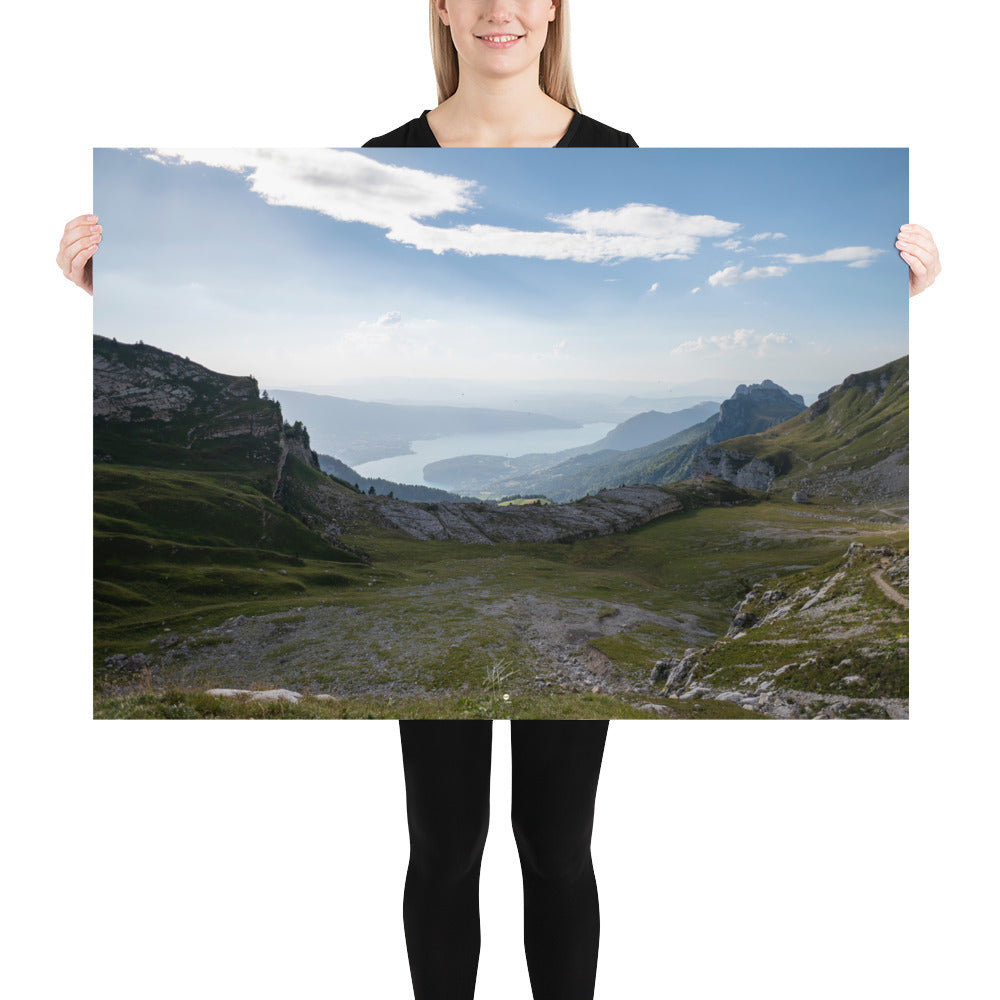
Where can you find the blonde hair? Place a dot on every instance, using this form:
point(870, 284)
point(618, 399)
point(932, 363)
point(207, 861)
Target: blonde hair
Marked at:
point(555, 74)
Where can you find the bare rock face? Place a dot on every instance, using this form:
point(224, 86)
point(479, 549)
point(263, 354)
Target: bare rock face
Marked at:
point(605, 513)
point(138, 382)
point(754, 408)
point(741, 470)
point(160, 400)
point(608, 512)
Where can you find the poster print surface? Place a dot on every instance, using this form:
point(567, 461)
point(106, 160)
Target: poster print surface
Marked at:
point(501, 434)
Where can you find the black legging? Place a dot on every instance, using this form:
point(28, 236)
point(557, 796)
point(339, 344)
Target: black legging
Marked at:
point(555, 771)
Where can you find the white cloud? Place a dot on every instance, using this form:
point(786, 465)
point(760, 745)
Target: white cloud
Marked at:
point(351, 187)
point(558, 351)
point(852, 256)
point(735, 274)
point(757, 237)
point(652, 288)
point(339, 183)
point(775, 340)
point(695, 291)
point(649, 232)
point(729, 244)
point(742, 340)
point(389, 318)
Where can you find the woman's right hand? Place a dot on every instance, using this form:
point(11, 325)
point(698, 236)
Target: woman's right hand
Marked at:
point(76, 250)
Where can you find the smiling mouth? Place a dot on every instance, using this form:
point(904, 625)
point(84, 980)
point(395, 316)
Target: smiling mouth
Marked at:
point(499, 41)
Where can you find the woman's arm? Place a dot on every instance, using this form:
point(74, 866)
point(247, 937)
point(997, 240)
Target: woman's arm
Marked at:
point(916, 246)
point(76, 249)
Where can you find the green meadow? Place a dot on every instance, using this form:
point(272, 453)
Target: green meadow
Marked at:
point(384, 626)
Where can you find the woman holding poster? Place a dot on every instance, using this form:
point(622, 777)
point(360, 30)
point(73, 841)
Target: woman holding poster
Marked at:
point(504, 80)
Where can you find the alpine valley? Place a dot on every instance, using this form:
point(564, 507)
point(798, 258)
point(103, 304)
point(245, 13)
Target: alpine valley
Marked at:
point(742, 561)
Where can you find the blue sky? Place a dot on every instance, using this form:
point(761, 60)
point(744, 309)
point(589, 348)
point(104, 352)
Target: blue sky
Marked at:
point(309, 267)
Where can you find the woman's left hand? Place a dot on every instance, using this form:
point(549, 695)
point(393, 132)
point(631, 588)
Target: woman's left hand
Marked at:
point(916, 246)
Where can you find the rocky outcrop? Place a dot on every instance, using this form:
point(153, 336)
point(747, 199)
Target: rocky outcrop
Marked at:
point(827, 649)
point(155, 400)
point(753, 408)
point(747, 471)
point(137, 382)
point(605, 513)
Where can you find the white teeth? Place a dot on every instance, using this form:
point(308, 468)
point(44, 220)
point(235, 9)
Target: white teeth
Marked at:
point(499, 38)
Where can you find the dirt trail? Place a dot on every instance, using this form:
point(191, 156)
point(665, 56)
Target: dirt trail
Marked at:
point(889, 590)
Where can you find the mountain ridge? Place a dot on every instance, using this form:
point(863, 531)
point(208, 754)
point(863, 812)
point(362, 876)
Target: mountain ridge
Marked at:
point(852, 443)
point(669, 460)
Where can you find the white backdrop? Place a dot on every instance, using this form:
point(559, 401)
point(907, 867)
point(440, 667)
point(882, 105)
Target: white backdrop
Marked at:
point(252, 861)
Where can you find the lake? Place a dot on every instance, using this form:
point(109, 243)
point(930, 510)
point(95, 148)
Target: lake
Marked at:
point(511, 444)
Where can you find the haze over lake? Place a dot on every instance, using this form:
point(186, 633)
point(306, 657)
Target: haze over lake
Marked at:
point(410, 468)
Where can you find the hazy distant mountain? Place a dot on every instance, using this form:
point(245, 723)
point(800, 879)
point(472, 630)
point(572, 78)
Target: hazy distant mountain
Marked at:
point(646, 428)
point(663, 461)
point(358, 432)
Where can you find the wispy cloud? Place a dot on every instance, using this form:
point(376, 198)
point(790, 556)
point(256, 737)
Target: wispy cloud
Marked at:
point(852, 256)
point(351, 187)
point(652, 288)
point(742, 340)
point(735, 246)
point(735, 275)
point(389, 319)
point(757, 237)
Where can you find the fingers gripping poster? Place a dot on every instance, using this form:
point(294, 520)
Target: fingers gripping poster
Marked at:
point(405, 433)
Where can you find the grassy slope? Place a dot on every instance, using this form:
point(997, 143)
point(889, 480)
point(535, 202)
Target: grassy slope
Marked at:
point(173, 546)
point(854, 642)
point(848, 430)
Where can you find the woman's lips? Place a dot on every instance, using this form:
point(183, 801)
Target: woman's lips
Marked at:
point(500, 41)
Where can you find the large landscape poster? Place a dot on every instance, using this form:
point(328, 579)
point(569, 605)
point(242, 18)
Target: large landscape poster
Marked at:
point(410, 433)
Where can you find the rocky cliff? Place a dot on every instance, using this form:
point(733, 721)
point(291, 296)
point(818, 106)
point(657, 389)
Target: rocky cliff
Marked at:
point(154, 407)
point(739, 469)
point(753, 408)
point(338, 512)
point(135, 382)
point(851, 445)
